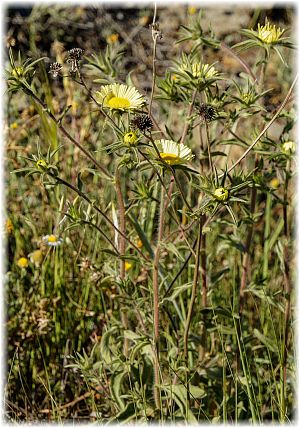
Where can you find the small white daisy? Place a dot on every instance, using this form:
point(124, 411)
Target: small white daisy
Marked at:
point(171, 152)
point(120, 97)
point(52, 240)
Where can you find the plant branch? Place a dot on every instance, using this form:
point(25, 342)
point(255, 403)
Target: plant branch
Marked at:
point(66, 133)
point(156, 298)
point(285, 101)
point(75, 189)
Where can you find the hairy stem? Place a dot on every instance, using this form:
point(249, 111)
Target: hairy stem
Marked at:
point(287, 291)
point(204, 290)
point(246, 256)
point(186, 125)
point(155, 35)
point(122, 242)
point(156, 298)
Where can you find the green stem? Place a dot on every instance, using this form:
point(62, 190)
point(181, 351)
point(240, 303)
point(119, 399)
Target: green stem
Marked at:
point(186, 126)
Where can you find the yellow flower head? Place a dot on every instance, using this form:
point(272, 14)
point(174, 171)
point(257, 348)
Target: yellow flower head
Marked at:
point(112, 38)
point(128, 266)
point(274, 183)
point(269, 33)
point(22, 262)
point(9, 226)
point(221, 194)
point(139, 243)
point(120, 97)
point(192, 10)
point(14, 125)
point(171, 152)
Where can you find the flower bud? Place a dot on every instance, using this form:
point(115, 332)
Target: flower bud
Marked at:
point(131, 139)
point(221, 194)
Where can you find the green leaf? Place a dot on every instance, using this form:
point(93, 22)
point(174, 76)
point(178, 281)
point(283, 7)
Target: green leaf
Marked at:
point(126, 414)
point(265, 340)
point(105, 346)
point(179, 394)
point(178, 290)
point(115, 386)
point(141, 234)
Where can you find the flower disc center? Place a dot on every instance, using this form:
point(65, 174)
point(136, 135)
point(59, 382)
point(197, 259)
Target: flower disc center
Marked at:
point(118, 103)
point(170, 158)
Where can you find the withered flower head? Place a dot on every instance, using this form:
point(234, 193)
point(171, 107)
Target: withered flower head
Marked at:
point(206, 112)
point(141, 122)
point(55, 68)
point(74, 56)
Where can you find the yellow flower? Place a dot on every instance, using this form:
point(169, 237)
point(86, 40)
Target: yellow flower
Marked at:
point(274, 183)
point(128, 266)
point(192, 10)
point(171, 152)
point(289, 147)
point(139, 243)
point(112, 38)
point(22, 262)
point(120, 97)
point(14, 125)
point(130, 138)
point(36, 257)
point(269, 33)
point(9, 226)
point(221, 194)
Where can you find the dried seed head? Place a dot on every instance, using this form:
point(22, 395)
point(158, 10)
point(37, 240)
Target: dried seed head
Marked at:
point(141, 122)
point(55, 68)
point(156, 33)
point(74, 56)
point(207, 112)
